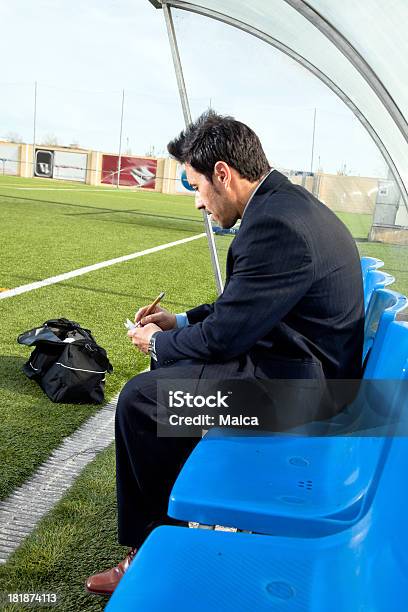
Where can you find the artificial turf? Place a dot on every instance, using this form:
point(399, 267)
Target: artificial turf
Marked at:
point(77, 538)
point(47, 231)
point(78, 228)
point(31, 425)
point(395, 256)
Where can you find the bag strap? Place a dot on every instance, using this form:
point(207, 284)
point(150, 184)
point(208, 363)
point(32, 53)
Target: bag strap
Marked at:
point(96, 352)
point(63, 325)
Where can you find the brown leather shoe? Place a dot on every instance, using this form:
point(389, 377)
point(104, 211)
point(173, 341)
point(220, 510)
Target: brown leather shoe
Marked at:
point(106, 582)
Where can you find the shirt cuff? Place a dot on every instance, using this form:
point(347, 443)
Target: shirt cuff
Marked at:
point(181, 320)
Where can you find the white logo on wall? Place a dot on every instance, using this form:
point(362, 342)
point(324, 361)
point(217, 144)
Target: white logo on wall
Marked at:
point(142, 175)
point(44, 162)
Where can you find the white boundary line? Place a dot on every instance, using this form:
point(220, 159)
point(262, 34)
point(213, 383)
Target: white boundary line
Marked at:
point(101, 190)
point(103, 264)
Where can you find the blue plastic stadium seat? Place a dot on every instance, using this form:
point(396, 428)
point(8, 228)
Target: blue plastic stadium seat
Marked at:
point(370, 263)
point(362, 568)
point(292, 485)
point(221, 231)
point(375, 279)
point(383, 308)
point(298, 486)
point(389, 355)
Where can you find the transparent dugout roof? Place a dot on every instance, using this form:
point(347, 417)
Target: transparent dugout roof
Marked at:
point(357, 49)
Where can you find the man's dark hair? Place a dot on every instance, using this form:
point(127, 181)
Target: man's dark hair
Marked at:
point(213, 138)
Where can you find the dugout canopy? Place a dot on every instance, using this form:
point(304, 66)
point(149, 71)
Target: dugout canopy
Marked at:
point(359, 49)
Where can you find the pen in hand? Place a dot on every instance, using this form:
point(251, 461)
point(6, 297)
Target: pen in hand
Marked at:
point(151, 307)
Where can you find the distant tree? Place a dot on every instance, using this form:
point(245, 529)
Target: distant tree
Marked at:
point(50, 139)
point(14, 137)
point(342, 171)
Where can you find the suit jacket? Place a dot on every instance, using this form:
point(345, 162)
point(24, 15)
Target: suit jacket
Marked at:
point(293, 298)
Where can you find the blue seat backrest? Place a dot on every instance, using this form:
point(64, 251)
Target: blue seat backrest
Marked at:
point(386, 374)
point(375, 279)
point(370, 263)
point(384, 306)
point(391, 362)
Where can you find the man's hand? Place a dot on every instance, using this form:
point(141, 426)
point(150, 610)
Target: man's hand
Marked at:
point(140, 336)
point(160, 316)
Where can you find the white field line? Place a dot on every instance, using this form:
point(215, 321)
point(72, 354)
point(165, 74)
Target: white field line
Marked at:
point(56, 189)
point(103, 264)
point(101, 191)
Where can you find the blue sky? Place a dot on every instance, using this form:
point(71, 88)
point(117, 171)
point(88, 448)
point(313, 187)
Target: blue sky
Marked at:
point(83, 53)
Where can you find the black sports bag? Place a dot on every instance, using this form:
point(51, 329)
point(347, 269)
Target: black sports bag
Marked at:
point(67, 363)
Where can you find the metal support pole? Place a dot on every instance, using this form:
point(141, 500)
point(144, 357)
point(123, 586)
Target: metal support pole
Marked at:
point(34, 126)
point(120, 139)
point(313, 141)
point(187, 119)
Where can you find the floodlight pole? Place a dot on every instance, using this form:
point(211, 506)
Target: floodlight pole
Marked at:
point(187, 119)
point(120, 139)
point(313, 141)
point(34, 126)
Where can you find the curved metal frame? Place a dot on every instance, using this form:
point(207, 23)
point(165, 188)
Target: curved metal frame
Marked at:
point(355, 58)
point(182, 5)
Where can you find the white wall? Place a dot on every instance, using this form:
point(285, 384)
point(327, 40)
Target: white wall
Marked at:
point(9, 158)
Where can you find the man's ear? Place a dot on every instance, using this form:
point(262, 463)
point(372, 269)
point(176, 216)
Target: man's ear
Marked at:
point(222, 174)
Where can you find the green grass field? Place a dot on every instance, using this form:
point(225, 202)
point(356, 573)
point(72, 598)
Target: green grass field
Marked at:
point(395, 257)
point(49, 228)
point(44, 235)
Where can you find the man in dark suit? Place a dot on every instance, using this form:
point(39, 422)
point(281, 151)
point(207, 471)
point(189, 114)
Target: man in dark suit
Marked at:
point(292, 308)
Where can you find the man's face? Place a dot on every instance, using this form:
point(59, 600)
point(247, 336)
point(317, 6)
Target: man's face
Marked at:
point(213, 197)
